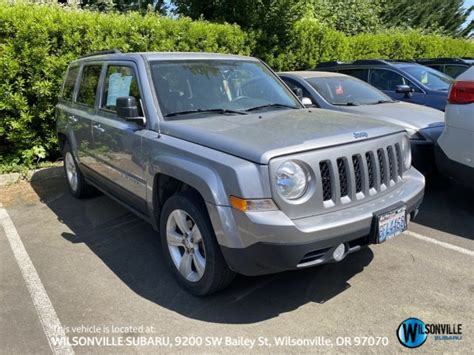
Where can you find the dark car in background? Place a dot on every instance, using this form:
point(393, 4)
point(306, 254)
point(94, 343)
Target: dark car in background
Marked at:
point(405, 81)
point(344, 93)
point(449, 66)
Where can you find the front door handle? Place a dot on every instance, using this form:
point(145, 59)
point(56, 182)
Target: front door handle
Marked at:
point(99, 128)
point(72, 118)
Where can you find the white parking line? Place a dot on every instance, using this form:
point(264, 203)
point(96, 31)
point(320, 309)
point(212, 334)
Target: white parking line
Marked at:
point(47, 315)
point(440, 243)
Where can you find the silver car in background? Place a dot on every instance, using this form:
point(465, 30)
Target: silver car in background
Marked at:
point(340, 92)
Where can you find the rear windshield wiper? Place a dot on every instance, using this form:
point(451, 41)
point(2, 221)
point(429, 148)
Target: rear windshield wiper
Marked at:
point(270, 105)
point(212, 110)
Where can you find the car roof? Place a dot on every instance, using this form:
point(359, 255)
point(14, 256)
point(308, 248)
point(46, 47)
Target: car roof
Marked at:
point(152, 56)
point(361, 63)
point(465, 61)
point(314, 74)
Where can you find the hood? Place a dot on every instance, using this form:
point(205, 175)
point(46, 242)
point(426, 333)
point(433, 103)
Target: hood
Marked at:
point(260, 137)
point(409, 116)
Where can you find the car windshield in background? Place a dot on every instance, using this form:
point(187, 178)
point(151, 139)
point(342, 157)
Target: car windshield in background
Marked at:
point(189, 88)
point(347, 91)
point(429, 77)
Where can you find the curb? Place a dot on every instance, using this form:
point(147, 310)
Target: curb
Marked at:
point(37, 174)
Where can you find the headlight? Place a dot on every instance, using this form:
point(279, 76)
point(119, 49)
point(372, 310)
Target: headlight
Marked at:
point(406, 152)
point(291, 180)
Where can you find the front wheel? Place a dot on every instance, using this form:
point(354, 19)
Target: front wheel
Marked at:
point(190, 246)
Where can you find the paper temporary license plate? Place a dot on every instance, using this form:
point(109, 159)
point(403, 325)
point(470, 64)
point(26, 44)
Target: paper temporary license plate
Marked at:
point(391, 224)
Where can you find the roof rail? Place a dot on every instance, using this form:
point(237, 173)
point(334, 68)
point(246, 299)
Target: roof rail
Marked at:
point(107, 51)
point(329, 64)
point(400, 60)
point(370, 61)
point(440, 60)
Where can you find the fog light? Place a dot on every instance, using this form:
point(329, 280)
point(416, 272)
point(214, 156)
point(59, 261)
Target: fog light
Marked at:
point(338, 253)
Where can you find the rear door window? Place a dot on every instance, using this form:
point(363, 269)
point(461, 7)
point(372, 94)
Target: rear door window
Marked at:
point(454, 70)
point(69, 83)
point(88, 86)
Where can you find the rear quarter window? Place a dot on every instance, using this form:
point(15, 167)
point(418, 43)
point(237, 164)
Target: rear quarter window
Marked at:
point(69, 83)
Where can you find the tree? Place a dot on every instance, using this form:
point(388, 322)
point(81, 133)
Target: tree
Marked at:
point(158, 6)
point(439, 16)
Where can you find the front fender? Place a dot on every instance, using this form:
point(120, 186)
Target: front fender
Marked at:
point(202, 178)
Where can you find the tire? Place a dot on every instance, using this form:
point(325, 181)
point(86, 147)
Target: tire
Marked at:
point(74, 177)
point(198, 256)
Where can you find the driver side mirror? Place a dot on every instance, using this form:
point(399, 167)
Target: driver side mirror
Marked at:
point(127, 109)
point(306, 101)
point(405, 89)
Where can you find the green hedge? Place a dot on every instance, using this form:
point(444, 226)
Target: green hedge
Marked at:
point(38, 41)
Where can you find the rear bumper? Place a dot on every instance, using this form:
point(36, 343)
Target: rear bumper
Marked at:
point(452, 169)
point(270, 242)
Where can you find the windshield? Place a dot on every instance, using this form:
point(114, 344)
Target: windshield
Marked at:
point(188, 88)
point(429, 77)
point(347, 91)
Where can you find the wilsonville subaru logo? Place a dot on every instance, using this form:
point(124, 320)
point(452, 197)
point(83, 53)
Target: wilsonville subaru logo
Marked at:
point(412, 333)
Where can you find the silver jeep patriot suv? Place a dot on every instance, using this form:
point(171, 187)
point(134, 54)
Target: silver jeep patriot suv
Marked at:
point(226, 163)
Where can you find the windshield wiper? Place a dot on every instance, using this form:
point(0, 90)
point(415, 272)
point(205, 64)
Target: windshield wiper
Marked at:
point(270, 105)
point(346, 104)
point(381, 102)
point(211, 110)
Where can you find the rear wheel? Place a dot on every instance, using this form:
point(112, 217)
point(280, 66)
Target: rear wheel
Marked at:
point(75, 179)
point(190, 246)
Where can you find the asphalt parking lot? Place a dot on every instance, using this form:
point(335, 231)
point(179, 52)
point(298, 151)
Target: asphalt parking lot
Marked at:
point(104, 276)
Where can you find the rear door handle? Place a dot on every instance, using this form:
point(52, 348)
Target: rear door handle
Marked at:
point(72, 118)
point(99, 128)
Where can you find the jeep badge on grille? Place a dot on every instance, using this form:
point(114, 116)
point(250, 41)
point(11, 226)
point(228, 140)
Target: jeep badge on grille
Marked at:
point(360, 135)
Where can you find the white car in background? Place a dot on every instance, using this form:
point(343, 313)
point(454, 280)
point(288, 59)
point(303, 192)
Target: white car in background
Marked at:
point(455, 147)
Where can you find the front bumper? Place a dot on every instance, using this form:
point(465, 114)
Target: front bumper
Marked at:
point(268, 242)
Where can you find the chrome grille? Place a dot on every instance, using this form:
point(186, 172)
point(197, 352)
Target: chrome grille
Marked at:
point(380, 156)
point(357, 172)
point(370, 172)
point(326, 180)
point(391, 159)
point(370, 169)
point(399, 158)
point(341, 168)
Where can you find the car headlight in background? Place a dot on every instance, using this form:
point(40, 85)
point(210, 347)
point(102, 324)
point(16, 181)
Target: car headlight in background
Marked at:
point(292, 180)
point(406, 152)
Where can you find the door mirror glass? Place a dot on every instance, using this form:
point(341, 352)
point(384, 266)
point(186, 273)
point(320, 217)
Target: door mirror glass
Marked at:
point(127, 109)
